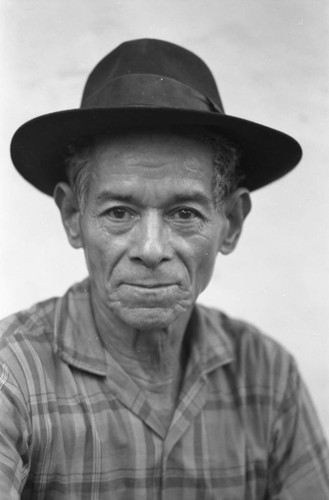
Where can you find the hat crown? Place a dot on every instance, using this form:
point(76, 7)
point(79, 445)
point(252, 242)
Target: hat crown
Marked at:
point(153, 57)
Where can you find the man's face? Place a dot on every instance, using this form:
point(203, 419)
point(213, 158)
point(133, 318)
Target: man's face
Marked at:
point(150, 230)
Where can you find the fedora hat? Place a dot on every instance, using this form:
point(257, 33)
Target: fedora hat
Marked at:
point(148, 83)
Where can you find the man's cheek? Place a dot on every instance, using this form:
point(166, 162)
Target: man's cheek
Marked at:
point(204, 272)
point(96, 262)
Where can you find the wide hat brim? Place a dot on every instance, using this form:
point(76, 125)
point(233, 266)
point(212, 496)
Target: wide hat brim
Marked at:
point(38, 147)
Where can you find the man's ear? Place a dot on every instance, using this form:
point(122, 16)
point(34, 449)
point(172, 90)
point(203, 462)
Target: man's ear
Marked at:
point(70, 212)
point(236, 209)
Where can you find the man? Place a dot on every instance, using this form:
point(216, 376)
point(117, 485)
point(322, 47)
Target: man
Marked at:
point(124, 388)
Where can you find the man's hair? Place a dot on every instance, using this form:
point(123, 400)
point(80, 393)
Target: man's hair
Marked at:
point(226, 155)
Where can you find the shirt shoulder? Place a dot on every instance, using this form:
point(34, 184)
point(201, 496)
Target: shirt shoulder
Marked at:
point(240, 334)
point(37, 320)
point(30, 321)
point(257, 359)
point(26, 343)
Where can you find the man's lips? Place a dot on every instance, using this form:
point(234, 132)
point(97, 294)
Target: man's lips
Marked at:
point(150, 285)
point(136, 294)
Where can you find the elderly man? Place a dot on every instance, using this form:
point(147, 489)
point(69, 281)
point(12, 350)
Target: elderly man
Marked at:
point(125, 388)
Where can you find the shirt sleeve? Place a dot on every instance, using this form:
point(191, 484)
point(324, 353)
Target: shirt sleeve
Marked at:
point(299, 461)
point(14, 437)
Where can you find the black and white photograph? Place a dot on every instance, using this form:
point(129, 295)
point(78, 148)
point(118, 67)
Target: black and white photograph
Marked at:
point(164, 221)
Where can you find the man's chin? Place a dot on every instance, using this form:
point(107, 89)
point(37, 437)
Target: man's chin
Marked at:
point(155, 318)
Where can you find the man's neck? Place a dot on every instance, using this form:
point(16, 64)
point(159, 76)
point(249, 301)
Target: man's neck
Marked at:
point(152, 358)
point(151, 355)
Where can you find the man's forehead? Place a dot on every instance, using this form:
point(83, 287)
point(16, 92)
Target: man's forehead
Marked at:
point(175, 194)
point(153, 161)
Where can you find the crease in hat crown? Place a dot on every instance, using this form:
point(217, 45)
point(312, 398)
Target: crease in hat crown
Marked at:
point(146, 61)
point(148, 83)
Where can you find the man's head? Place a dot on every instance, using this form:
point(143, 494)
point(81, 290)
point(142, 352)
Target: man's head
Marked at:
point(149, 222)
point(153, 204)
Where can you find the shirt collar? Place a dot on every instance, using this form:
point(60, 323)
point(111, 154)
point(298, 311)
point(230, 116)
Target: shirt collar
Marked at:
point(75, 336)
point(78, 343)
point(210, 346)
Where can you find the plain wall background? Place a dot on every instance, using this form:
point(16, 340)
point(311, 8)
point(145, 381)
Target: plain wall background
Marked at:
point(270, 59)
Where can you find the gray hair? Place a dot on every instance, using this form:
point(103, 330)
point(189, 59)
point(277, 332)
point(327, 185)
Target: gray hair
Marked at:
point(226, 156)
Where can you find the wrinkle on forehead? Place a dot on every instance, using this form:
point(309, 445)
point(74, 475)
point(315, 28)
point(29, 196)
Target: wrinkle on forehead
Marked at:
point(144, 144)
point(154, 195)
point(159, 157)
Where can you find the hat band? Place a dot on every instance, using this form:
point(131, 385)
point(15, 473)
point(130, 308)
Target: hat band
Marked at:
point(152, 91)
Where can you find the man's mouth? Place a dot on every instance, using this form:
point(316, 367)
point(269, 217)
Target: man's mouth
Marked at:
point(150, 285)
point(149, 294)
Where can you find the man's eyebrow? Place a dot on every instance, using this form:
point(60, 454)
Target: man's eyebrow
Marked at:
point(195, 196)
point(192, 196)
point(108, 195)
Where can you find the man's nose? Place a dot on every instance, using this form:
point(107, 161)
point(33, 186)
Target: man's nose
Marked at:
point(151, 240)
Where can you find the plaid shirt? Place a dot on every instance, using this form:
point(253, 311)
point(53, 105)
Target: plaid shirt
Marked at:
point(74, 425)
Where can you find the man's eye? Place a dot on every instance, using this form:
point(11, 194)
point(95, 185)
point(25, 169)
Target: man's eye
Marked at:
point(186, 213)
point(119, 213)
